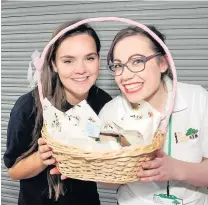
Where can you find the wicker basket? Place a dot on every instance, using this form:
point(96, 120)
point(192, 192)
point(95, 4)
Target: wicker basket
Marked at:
point(108, 167)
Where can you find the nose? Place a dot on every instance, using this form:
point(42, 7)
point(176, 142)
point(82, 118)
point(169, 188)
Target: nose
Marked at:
point(80, 68)
point(127, 74)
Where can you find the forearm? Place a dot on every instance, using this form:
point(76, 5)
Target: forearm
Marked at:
point(194, 173)
point(27, 167)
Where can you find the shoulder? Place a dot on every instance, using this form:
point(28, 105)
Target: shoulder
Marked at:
point(97, 98)
point(24, 106)
point(110, 109)
point(195, 97)
point(192, 87)
point(193, 92)
point(20, 128)
point(100, 94)
point(115, 102)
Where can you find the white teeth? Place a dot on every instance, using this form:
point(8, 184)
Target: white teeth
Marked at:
point(80, 79)
point(133, 86)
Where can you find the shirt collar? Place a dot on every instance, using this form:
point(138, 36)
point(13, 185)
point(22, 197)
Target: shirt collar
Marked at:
point(180, 103)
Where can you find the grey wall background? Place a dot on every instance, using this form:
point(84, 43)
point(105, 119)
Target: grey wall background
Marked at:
point(27, 26)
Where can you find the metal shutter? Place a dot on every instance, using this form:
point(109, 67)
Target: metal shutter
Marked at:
point(27, 26)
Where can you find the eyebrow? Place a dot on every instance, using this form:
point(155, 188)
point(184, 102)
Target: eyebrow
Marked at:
point(90, 54)
point(68, 56)
point(116, 60)
point(129, 57)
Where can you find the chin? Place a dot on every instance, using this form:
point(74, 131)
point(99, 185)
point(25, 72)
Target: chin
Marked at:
point(82, 91)
point(133, 99)
point(81, 88)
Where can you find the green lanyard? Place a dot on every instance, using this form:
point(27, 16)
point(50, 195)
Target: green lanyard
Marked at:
point(169, 148)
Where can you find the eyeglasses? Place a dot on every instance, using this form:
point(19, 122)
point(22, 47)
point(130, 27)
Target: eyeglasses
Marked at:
point(135, 64)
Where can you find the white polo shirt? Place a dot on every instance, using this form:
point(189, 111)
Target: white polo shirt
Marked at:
point(189, 143)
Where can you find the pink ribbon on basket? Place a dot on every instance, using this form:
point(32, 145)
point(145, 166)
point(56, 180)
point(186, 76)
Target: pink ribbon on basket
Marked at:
point(40, 60)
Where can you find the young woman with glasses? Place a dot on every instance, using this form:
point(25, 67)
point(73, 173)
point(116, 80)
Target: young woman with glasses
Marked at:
point(141, 71)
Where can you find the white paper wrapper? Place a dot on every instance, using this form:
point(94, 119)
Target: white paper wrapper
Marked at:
point(74, 127)
point(80, 126)
point(138, 127)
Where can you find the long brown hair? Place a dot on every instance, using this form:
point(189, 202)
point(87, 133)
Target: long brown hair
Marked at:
point(54, 91)
point(132, 31)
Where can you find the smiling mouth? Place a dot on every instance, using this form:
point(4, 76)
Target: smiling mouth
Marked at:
point(134, 87)
point(80, 79)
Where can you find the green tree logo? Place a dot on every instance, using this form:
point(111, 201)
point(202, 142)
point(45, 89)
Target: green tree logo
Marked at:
point(192, 133)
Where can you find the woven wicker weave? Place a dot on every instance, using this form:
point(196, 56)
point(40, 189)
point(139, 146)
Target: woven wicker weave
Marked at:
point(108, 167)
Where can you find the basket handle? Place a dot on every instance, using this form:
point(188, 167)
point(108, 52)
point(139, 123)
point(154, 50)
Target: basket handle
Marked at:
point(40, 60)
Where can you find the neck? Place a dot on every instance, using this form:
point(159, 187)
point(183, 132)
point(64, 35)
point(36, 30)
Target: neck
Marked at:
point(75, 99)
point(159, 98)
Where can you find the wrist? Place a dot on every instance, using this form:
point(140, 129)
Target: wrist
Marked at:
point(181, 171)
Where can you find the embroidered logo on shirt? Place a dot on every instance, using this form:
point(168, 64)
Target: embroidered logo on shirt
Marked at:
point(190, 135)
